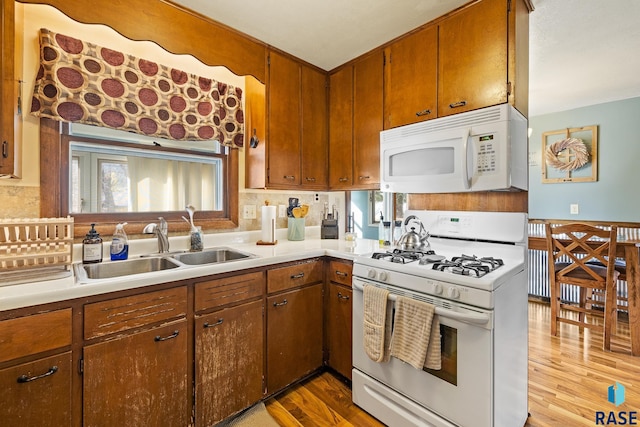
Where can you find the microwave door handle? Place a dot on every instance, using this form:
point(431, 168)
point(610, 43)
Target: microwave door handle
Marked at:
point(466, 146)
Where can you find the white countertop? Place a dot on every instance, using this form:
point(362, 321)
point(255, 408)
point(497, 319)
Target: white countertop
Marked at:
point(47, 291)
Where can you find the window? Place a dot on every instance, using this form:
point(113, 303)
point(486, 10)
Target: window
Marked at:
point(386, 202)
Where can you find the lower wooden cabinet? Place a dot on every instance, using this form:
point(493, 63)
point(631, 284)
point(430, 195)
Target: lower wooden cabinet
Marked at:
point(294, 335)
point(339, 328)
point(37, 393)
point(229, 357)
point(139, 379)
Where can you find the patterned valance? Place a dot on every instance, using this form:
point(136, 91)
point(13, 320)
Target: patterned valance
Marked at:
point(82, 82)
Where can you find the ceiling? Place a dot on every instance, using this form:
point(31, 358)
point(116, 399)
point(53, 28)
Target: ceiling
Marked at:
point(582, 52)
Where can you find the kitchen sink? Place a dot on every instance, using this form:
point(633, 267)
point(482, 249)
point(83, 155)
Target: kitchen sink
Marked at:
point(211, 256)
point(106, 270)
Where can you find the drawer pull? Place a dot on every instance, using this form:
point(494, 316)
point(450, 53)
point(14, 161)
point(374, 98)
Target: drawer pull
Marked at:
point(298, 276)
point(344, 297)
point(25, 379)
point(278, 304)
point(423, 113)
point(158, 338)
point(458, 104)
point(290, 177)
point(5, 149)
point(341, 274)
point(343, 179)
point(211, 325)
point(361, 177)
point(310, 179)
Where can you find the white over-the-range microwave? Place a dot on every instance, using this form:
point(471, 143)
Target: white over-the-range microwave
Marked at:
point(479, 150)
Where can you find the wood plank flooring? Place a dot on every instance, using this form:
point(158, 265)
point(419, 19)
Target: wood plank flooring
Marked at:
point(568, 380)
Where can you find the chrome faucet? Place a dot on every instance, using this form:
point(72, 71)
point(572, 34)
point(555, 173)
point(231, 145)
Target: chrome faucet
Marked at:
point(162, 233)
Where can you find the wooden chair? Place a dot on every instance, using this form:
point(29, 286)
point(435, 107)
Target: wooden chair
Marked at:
point(572, 251)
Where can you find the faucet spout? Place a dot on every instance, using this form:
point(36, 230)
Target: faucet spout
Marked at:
point(161, 231)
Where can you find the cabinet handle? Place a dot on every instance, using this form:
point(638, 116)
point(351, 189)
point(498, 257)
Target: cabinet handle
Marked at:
point(297, 276)
point(423, 113)
point(344, 297)
point(25, 379)
point(458, 104)
point(208, 325)
point(361, 177)
point(343, 179)
point(278, 304)
point(310, 179)
point(5, 149)
point(158, 338)
point(290, 177)
point(342, 274)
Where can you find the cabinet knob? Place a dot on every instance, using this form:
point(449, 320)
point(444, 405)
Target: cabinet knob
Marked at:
point(458, 104)
point(423, 113)
point(290, 177)
point(25, 379)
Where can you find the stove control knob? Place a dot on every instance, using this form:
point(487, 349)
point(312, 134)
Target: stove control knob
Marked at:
point(454, 293)
point(371, 273)
point(383, 276)
point(437, 289)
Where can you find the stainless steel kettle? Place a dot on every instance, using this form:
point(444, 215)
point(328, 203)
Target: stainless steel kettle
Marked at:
point(412, 240)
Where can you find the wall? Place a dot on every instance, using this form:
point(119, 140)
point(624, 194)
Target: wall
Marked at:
point(360, 207)
point(613, 197)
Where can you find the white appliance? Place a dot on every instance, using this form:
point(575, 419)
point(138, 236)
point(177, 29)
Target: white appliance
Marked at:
point(478, 150)
point(480, 293)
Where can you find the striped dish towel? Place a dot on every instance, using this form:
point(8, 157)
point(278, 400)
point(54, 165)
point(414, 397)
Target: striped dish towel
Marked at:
point(377, 323)
point(416, 337)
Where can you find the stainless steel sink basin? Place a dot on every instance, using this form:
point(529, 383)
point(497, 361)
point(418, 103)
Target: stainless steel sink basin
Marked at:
point(105, 270)
point(211, 256)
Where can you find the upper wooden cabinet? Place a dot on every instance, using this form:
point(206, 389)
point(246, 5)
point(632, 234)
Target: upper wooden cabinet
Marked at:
point(315, 129)
point(411, 85)
point(355, 122)
point(10, 163)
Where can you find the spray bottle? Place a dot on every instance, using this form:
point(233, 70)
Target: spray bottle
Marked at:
point(119, 244)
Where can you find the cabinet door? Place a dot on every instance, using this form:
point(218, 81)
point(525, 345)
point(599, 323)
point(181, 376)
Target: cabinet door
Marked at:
point(472, 63)
point(411, 83)
point(9, 117)
point(339, 328)
point(367, 120)
point(294, 335)
point(315, 130)
point(284, 122)
point(229, 361)
point(138, 380)
point(341, 128)
point(37, 393)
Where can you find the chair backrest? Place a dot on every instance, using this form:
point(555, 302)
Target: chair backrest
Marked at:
point(585, 247)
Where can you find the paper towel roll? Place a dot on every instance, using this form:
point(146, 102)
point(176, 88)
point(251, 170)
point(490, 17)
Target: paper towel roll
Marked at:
point(268, 224)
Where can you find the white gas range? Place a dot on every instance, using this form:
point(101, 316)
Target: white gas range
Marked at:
point(475, 275)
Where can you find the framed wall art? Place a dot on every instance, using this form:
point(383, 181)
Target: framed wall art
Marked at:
point(570, 155)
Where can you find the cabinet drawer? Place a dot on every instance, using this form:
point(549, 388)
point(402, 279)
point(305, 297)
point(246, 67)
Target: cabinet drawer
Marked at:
point(219, 292)
point(340, 272)
point(33, 334)
point(107, 317)
point(294, 276)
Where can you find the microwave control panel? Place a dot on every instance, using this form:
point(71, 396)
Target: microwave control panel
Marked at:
point(487, 155)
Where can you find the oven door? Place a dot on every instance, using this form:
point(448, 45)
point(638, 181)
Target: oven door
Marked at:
point(461, 393)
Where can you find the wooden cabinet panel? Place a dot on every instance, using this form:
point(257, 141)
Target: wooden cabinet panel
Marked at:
point(340, 272)
point(283, 121)
point(339, 328)
point(10, 163)
point(315, 130)
point(116, 315)
point(472, 58)
point(219, 292)
point(229, 361)
point(341, 129)
point(293, 276)
point(294, 335)
point(139, 379)
point(411, 79)
point(33, 334)
point(367, 120)
point(37, 393)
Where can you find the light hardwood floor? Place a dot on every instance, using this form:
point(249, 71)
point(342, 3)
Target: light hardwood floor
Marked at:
point(568, 380)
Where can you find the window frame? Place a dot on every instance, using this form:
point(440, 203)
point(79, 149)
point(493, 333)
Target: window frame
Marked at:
point(54, 191)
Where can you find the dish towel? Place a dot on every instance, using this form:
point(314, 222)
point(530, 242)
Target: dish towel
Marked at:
point(377, 323)
point(415, 334)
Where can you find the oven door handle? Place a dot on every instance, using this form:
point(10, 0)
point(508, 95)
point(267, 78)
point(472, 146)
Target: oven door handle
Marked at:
point(468, 317)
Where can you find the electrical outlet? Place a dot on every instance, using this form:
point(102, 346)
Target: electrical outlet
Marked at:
point(282, 211)
point(574, 209)
point(249, 212)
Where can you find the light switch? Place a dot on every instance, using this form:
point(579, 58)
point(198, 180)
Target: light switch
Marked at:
point(574, 209)
point(282, 211)
point(249, 212)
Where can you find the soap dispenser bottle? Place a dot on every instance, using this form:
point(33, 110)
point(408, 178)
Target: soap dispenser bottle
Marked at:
point(119, 245)
point(92, 247)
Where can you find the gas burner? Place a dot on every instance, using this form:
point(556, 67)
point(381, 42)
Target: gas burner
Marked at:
point(402, 257)
point(469, 265)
